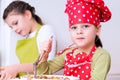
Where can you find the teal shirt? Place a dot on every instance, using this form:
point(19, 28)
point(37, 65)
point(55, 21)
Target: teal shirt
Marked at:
point(99, 67)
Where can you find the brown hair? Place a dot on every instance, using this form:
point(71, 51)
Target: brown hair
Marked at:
point(98, 42)
point(21, 7)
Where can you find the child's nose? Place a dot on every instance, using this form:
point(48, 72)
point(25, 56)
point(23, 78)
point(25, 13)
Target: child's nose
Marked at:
point(15, 29)
point(79, 31)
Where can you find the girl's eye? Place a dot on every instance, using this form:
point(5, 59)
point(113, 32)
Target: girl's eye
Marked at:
point(74, 27)
point(15, 23)
point(85, 26)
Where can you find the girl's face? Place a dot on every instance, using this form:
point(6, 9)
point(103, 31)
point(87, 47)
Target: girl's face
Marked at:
point(83, 35)
point(20, 23)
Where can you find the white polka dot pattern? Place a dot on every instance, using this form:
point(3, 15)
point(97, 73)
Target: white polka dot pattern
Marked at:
point(78, 65)
point(87, 11)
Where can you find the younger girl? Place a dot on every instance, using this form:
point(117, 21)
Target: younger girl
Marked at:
point(86, 60)
point(21, 18)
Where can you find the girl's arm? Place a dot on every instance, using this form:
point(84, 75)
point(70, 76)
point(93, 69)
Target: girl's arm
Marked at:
point(42, 61)
point(11, 71)
point(44, 34)
point(100, 65)
point(51, 66)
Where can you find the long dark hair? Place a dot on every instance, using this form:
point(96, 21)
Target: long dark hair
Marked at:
point(21, 7)
point(98, 42)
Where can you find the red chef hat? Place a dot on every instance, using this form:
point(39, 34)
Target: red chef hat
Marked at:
point(87, 11)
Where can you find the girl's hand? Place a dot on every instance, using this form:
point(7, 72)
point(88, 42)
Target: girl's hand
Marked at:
point(46, 48)
point(8, 72)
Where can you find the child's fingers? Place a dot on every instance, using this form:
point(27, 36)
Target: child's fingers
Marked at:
point(2, 76)
point(50, 40)
point(49, 44)
point(1, 68)
point(46, 45)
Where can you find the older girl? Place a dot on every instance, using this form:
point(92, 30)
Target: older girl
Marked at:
point(21, 18)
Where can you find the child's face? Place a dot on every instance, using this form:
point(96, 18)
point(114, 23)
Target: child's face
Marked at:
point(20, 23)
point(83, 35)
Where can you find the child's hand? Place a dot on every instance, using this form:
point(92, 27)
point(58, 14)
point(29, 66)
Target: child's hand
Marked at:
point(46, 48)
point(8, 72)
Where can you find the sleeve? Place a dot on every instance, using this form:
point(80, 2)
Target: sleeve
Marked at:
point(44, 34)
point(51, 66)
point(100, 66)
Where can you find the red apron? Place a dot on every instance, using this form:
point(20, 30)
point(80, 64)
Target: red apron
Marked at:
point(78, 65)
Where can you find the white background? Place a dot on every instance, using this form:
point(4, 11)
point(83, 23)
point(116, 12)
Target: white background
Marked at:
point(52, 12)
